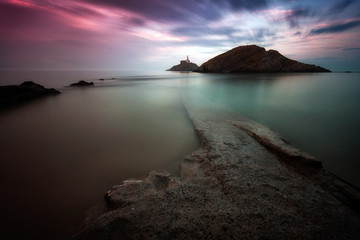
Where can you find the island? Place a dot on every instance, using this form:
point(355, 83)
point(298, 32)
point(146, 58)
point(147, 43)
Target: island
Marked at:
point(82, 83)
point(14, 95)
point(245, 182)
point(184, 66)
point(255, 59)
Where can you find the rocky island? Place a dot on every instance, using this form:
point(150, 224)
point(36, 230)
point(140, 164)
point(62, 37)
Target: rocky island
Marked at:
point(245, 182)
point(82, 83)
point(255, 59)
point(14, 95)
point(184, 66)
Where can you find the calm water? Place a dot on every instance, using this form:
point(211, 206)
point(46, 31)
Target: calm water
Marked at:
point(61, 154)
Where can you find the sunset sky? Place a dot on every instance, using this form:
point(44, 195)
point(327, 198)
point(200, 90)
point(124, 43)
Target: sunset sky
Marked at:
point(156, 34)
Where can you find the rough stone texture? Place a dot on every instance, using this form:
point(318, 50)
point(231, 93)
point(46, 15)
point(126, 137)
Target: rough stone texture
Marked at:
point(233, 187)
point(184, 66)
point(276, 143)
point(252, 58)
point(82, 83)
point(18, 94)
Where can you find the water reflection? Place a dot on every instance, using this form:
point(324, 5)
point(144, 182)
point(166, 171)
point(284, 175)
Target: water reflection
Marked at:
point(315, 111)
point(60, 155)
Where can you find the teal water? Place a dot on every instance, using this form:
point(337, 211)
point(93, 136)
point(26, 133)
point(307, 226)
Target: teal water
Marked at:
point(59, 155)
point(318, 112)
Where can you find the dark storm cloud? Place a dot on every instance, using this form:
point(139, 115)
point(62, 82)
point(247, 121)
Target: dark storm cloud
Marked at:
point(184, 10)
point(335, 28)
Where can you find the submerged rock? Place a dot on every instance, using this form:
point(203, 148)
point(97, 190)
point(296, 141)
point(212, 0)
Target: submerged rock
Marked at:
point(252, 58)
point(82, 83)
point(234, 187)
point(17, 94)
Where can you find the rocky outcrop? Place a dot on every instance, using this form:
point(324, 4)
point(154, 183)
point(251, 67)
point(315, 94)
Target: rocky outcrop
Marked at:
point(253, 59)
point(18, 94)
point(82, 83)
point(234, 187)
point(184, 66)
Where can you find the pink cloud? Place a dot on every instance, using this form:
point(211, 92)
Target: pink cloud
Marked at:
point(68, 33)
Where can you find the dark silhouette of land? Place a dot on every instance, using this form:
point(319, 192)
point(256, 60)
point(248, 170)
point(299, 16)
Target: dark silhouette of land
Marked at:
point(184, 66)
point(255, 59)
point(83, 83)
point(14, 95)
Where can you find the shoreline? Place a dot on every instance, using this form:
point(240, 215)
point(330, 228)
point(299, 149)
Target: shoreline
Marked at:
point(233, 187)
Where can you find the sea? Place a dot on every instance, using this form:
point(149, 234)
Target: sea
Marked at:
point(59, 155)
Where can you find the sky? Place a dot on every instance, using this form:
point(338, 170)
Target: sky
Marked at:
point(156, 34)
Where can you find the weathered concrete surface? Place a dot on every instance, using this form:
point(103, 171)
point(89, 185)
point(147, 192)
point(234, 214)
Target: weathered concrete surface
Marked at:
point(276, 143)
point(231, 188)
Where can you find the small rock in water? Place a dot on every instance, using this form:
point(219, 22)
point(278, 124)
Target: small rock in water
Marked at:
point(82, 83)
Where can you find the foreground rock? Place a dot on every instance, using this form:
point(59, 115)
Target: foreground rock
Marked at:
point(18, 94)
point(252, 58)
point(184, 66)
point(234, 187)
point(82, 83)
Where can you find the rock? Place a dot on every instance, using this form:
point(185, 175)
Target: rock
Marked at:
point(276, 143)
point(185, 65)
point(82, 83)
point(253, 59)
point(18, 94)
point(234, 187)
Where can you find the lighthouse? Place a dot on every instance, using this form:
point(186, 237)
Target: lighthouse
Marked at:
point(187, 61)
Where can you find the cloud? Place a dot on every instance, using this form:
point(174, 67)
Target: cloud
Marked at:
point(335, 28)
point(166, 11)
point(340, 6)
point(296, 14)
point(196, 31)
point(292, 16)
point(237, 5)
point(184, 11)
point(352, 49)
